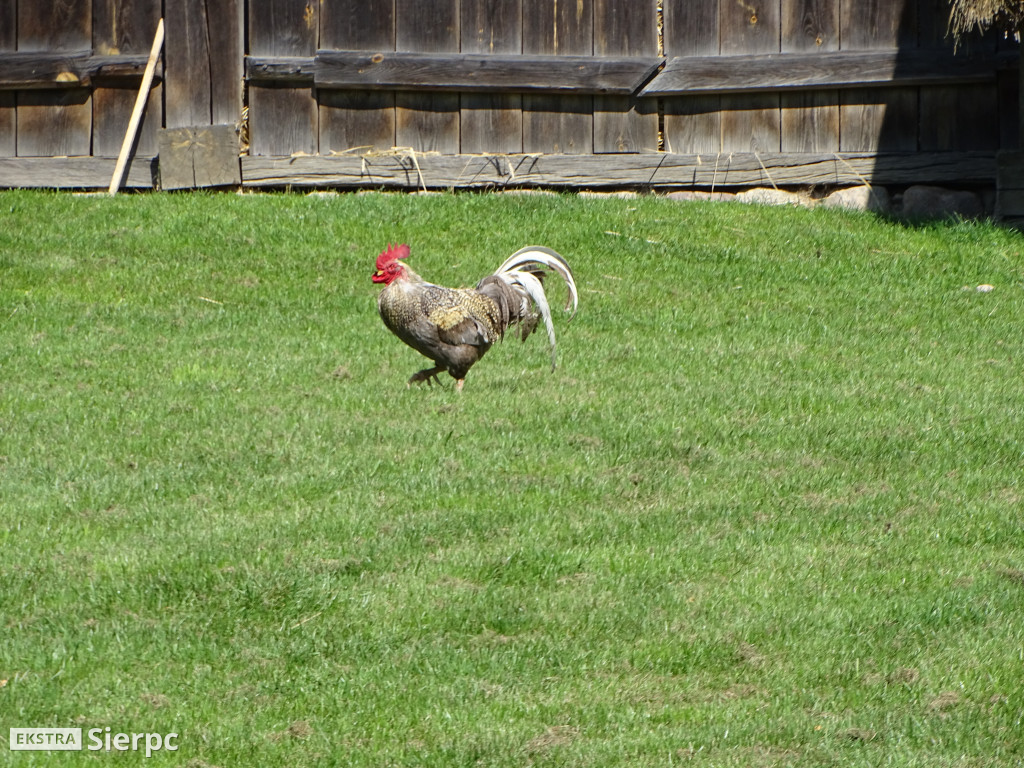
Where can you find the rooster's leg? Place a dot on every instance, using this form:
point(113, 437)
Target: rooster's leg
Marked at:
point(428, 375)
point(458, 384)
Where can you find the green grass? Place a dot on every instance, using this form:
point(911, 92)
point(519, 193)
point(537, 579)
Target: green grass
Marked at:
point(766, 512)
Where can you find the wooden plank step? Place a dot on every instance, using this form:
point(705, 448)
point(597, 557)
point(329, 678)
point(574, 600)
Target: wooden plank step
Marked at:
point(73, 172)
point(408, 170)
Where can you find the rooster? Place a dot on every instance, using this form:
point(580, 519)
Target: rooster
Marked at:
point(455, 327)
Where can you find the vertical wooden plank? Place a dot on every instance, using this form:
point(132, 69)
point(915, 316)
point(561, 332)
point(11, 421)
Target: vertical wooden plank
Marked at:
point(54, 123)
point(1008, 85)
point(622, 123)
point(558, 124)
point(124, 26)
point(877, 119)
point(810, 120)
point(492, 122)
point(427, 121)
point(203, 62)
point(693, 124)
point(8, 43)
point(283, 121)
point(226, 19)
point(877, 24)
point(955, 117)
point(187, 75)
point(751, 123)
point(959, 118)
point(352, 119)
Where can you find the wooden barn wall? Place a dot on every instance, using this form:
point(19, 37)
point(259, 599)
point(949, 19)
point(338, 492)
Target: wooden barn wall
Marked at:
point(204, 80)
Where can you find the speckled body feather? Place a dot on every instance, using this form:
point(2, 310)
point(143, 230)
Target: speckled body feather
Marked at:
point(456, 327)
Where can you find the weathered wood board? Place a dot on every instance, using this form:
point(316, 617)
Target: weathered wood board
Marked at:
point(73, 172)
point(558, 124)
point(427, 121)
point(283, 120)
point(203, 58)
point(643, 170)
point(200, 156)
point(625, 123)
point(8, 43)
point(121, 28)
point(352, 119)
point(491, 122)
point(53, 123)
point(692, 123)
point(751, 122)
point(876, 120)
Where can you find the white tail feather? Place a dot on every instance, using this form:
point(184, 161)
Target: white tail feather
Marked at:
point(545, 257)
point(513, 272)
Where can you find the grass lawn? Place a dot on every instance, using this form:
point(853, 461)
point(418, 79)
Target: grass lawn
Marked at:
point(766, 512)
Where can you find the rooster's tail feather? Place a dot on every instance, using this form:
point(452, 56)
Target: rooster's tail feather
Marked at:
point(519, 279)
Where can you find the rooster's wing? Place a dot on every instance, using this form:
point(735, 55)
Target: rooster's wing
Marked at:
point(461, 317)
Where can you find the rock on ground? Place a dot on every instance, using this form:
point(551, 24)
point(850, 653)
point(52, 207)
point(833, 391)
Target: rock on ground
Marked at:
point(862, 198)
point(924, 202)
point(766, 196)
point(698, 195)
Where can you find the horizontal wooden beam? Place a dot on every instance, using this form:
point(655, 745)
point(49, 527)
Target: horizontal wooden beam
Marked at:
point(688, 75)
point(401, 170)
point(31, 71)
point(405, 170)
point(73, 172)
point(472, 72)
point(286, 71)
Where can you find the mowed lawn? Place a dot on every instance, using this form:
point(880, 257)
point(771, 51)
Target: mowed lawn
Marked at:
point(766, 512)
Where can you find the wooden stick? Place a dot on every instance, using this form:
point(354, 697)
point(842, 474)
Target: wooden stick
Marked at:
point(140, 105)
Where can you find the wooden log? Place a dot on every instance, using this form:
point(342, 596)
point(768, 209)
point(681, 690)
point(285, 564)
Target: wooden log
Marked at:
point(199, 156)
point(827, 69)
point(73, 172)
point(645, 171)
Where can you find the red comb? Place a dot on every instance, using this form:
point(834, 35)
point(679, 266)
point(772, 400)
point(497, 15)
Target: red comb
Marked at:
point(391, 253)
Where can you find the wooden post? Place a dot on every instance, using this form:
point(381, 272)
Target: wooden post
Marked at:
point(140, 105)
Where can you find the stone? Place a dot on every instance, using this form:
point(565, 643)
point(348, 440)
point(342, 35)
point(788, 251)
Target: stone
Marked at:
point(862, 198)
point(925, 202)
point(769, 196)
point(699, 195)
point(619, 194)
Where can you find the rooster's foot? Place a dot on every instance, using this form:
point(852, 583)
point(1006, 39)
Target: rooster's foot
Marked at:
point(428, 375)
